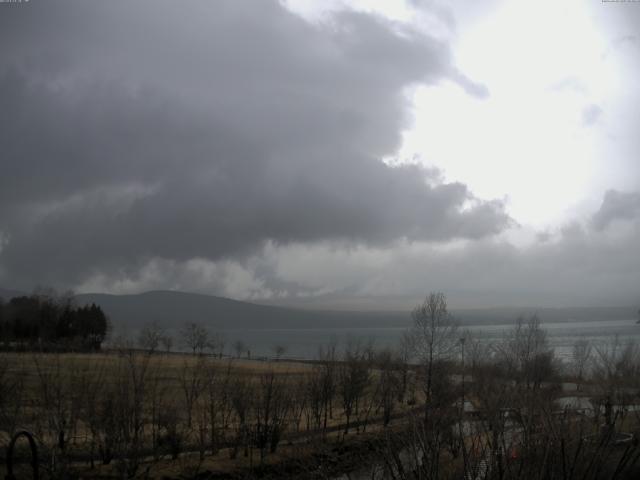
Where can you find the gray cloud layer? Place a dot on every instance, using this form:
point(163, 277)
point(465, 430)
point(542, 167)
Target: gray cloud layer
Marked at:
point(582, 263)
point(135, 131)
point(590, 262)
point(617, 206)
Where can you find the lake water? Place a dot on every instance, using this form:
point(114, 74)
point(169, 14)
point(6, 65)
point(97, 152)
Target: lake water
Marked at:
point(305, 343)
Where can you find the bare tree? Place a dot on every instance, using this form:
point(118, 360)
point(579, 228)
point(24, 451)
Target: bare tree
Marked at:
point(12, 390)
point(59, 412)
point(353, 379)
point(167, 342)
point(89, 386)
point(218, 407)
point(172, 436)
point(327, 377)
point(270, 408)
point(241, 395)
point(616, 370)
point(195, 337)
point(215, 343)
point(150, 337)
point(279, 350)
point(389, 384)
point(526, 354)
point(582, 350)
point(130, 400)
point(192, 383)
point(239, 347)
point(401, 359)
point(156, 406)
point(299, 400)
point(478, 352)
point(433, 338)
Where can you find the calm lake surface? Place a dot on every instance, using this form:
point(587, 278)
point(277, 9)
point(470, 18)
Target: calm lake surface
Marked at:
point(305, 343)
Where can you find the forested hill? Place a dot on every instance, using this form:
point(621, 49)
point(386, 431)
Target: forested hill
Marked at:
point(173, 309)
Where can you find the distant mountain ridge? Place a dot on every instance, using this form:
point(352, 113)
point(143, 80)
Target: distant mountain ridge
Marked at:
point(172, 309)
point(7, 294)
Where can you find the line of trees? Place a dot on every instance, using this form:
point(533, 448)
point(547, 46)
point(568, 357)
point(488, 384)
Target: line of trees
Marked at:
point(45, 320)
point(516, 428)
point(125, 409)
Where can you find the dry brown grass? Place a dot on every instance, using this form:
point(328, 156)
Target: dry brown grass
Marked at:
point(73, 373)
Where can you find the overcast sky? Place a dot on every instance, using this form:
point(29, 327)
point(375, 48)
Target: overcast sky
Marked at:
point(352, 153)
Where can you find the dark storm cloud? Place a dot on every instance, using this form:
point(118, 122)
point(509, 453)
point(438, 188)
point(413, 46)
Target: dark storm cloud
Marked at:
point(179, 130)
point(617, 206)
point(575, 264)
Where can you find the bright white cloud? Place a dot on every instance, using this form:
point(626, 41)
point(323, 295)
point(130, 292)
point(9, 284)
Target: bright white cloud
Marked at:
point(528, 141)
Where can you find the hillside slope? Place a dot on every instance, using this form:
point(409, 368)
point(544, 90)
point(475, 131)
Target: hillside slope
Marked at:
point(172, 309)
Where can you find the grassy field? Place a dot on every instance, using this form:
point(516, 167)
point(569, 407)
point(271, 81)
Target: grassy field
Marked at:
point(136, 414)
point(129, 412)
